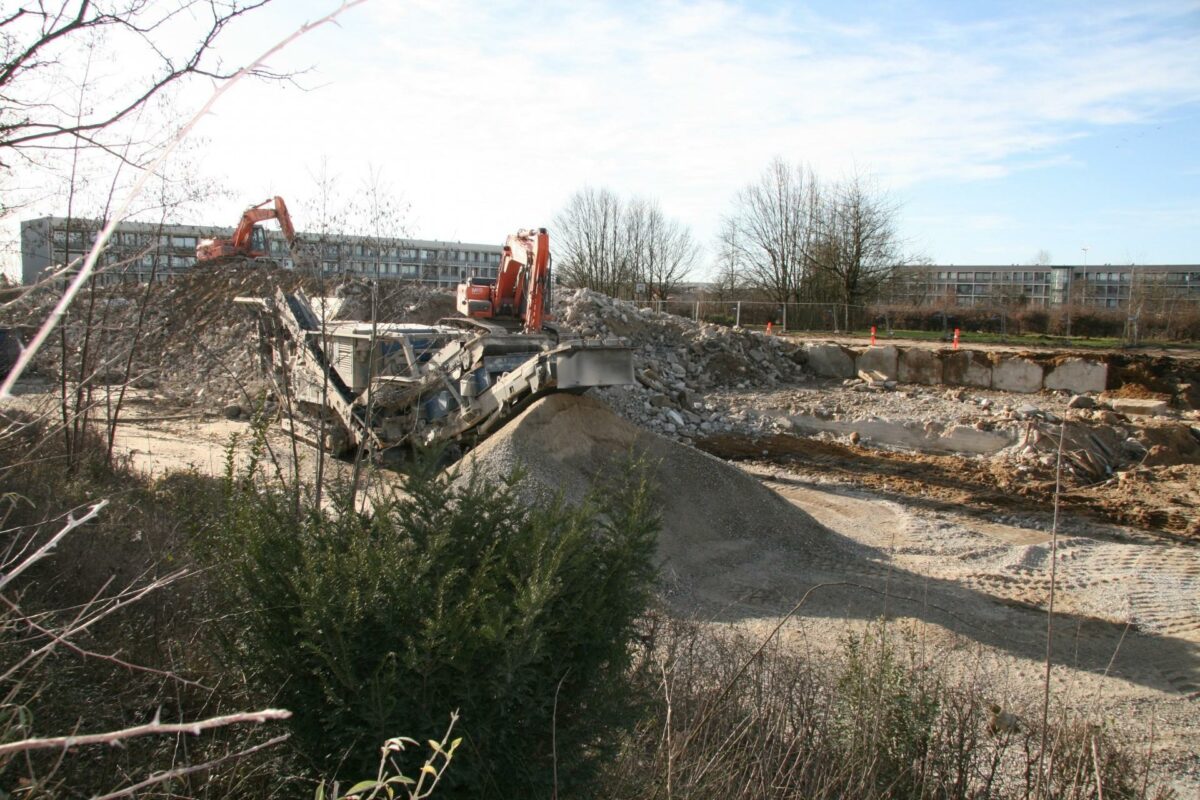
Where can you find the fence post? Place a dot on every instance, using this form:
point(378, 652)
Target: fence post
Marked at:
point(785, 317)
point(696, 313)
point(737, 320)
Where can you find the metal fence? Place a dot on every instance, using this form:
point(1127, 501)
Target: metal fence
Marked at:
point(828, 317)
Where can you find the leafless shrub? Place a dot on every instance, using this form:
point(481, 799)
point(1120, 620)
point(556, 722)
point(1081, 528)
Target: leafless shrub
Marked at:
point(737, 717)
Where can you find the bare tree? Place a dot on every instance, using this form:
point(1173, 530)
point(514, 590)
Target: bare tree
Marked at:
point(589, 235)
point(728, 281)
point(41, 41)
point(858, 247)
point(772, 230)
point(661, 251)
point(609, 244)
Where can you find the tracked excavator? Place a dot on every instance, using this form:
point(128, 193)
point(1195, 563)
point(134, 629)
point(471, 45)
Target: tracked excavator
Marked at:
point(383, 386)
point(520, 292)
point(249, 240)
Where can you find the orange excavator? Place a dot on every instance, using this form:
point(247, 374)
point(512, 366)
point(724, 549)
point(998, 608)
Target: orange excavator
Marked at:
point(520, 291)
point(249, 240)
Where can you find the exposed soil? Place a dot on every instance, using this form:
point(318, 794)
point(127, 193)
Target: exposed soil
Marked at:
point(1164, 500)
point(1128, 608)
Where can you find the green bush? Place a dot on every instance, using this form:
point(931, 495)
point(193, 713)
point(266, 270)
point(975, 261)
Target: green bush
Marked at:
point(451, 597)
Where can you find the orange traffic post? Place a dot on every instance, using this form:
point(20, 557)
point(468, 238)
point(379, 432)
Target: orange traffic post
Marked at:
point(872, 334)
point(956, 338)
point(768, 328)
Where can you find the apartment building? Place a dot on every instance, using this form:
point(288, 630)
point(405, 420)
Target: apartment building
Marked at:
point(1096, 286)
point(139, 250)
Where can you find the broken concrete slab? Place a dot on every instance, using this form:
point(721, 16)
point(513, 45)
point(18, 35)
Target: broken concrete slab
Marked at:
point(1139, 406)
point(1078, 375)
point(874, 378)
point(912, 434)
point(966, 368)
point(883, 359)
point(918, 365)
point(1017, 374)
point(830, 360)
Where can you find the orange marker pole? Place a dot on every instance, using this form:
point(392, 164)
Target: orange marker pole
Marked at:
point(872, 334)
point(768, 328)
point(956, 338)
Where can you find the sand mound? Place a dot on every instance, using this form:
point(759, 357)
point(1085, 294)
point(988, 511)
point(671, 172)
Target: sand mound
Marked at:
point(726, 539)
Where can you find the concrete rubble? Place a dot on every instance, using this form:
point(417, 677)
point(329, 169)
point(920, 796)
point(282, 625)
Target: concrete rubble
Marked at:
point(695, 380)
point(698, 380)
point(676, 361)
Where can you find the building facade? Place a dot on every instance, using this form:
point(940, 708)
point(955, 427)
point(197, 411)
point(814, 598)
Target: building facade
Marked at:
point(1098, 286)
point(140, 251)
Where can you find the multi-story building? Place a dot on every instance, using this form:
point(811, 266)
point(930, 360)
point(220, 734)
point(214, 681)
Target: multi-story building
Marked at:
point(1098, 286)
point(139, 250)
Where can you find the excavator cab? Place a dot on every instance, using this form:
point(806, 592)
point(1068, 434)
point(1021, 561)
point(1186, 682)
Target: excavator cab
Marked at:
point(258, 242)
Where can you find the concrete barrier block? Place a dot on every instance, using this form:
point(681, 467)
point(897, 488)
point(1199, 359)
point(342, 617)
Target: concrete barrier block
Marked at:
point(966, 368)
point(830, 361)
point(1016, 374)
point(1139, 406)
point(919, 365)
point(1077, 375)
point(882, 359)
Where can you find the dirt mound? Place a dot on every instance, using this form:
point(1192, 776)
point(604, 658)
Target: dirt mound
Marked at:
point(725, 539)
point(1137, 391)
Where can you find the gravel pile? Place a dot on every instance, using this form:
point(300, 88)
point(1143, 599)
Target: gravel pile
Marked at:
point(723, 531)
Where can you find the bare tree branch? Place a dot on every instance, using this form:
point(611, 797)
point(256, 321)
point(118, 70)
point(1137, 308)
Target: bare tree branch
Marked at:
point(149, 729)
point(182, 772)
point(89, 264)
point(44, 550)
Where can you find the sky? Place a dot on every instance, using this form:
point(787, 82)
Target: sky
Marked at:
point(1000, 130)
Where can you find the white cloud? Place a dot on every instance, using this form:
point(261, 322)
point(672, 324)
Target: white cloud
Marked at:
point(487, 116)
point(687, 101)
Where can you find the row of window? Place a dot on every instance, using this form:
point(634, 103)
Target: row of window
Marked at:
point(994, 277)
point(1125, 276)
point(408, 270)
point(83, 239)
point(987, 289)
point(332, 250)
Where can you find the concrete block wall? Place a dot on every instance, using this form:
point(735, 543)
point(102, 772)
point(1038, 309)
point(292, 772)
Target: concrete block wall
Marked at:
point(971, 368)
point(966, 368)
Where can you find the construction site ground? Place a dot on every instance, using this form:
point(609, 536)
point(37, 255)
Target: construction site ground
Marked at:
point(931, 542)
point(759, 509)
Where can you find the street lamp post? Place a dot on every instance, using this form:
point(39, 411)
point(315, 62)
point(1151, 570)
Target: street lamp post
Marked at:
point(1070, 280)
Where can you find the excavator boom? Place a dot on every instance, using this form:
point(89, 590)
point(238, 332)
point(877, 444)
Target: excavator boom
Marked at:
point(521, 290)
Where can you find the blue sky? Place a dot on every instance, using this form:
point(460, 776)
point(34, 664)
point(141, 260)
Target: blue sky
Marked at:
point(1001, 129)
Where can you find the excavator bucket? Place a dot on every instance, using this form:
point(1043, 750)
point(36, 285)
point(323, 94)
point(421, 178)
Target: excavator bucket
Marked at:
point(595, 366)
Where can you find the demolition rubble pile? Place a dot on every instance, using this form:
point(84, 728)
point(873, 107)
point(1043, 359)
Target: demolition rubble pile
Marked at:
point(677, 360)
point(190, 342)
point(392, 301)
point(698, 380)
